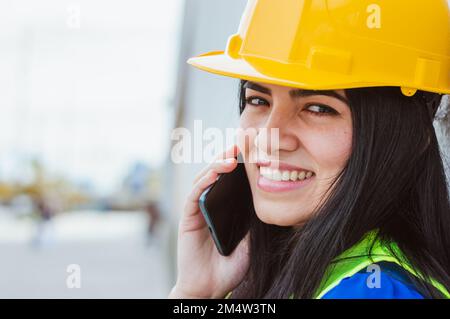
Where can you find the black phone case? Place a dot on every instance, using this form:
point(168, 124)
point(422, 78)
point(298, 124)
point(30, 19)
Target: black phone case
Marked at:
point(227, 207)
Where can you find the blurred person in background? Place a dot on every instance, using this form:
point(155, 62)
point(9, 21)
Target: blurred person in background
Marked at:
point(44, 231)
point(154, 220)
point(360, 179)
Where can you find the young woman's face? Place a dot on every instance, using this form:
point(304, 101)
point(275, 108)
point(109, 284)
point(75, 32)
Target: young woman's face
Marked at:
point(289, 178)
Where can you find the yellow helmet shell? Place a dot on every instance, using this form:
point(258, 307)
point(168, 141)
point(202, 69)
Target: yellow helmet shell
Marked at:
point(338, 44)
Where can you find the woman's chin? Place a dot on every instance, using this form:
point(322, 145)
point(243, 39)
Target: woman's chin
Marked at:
point(280, 215)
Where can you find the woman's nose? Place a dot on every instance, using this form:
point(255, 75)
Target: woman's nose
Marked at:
point(277, 134)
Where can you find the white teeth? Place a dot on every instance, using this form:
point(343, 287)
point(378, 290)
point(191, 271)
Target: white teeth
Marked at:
point(277, 175)
point(294, 175)
point(285, 175)
point(267, 172)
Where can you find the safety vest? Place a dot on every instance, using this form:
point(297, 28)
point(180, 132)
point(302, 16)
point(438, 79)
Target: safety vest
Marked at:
point(357, 257)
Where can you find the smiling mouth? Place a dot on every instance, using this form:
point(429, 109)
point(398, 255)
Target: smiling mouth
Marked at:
point(284, 175)
point(280, 180)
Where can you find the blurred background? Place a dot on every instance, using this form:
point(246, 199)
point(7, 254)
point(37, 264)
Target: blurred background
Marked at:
point(90, 92)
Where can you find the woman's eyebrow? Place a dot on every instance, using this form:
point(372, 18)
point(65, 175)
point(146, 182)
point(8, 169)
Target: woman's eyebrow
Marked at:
point(295, 93)
point(257, 87)
point(303, 93)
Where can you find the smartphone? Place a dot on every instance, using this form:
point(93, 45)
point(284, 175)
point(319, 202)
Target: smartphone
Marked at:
point(227, 206)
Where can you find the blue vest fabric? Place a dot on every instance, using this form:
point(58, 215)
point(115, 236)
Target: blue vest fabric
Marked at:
point(393, 284)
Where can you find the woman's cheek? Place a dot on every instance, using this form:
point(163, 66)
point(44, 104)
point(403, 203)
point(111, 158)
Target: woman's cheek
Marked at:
point(331, 151)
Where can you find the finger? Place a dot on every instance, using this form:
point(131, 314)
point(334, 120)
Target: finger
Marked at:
point(229, 154)
point(223, 166)
point(233, 151)
point(219, 168)
point(191, 207)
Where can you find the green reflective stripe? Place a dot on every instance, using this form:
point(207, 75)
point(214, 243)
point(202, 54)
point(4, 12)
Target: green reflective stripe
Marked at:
point(228, 296)
point(356, 258)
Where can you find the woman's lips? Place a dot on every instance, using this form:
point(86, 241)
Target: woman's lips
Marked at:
point(272, 186)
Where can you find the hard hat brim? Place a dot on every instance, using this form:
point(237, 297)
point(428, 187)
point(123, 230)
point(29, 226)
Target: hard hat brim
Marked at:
point(273, 72)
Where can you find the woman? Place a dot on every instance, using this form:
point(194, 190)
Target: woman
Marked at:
point(356, 183)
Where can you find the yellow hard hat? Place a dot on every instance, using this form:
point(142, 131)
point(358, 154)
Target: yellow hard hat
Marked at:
point(338, 44)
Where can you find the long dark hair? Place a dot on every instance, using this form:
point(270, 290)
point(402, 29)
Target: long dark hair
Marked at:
point(393, 181)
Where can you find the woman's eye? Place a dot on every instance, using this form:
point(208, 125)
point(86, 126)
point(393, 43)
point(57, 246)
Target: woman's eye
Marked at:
point(320, 110)
point(256, 101)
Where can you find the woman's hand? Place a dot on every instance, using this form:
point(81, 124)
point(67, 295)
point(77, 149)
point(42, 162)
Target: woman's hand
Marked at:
point(202, 271)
